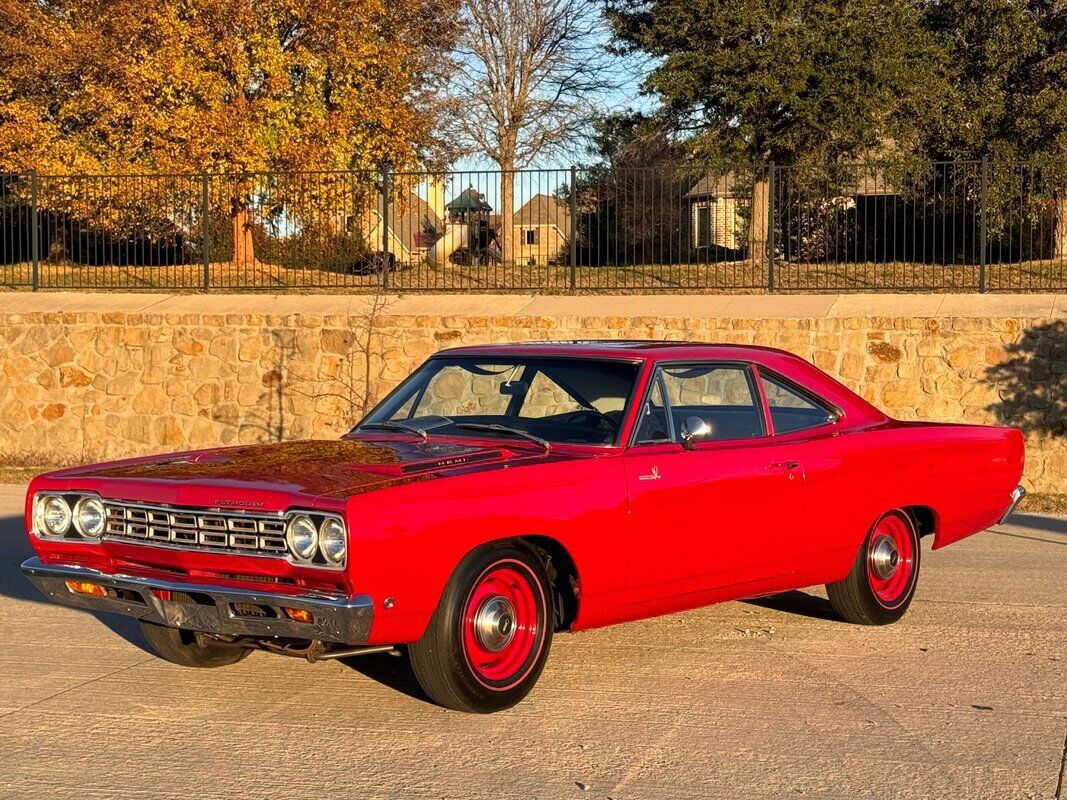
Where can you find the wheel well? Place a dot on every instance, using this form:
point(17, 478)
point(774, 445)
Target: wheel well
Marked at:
point(924, 518)
point(564, 576)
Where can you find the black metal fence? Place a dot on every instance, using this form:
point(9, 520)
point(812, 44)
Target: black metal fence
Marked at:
point(964, 226)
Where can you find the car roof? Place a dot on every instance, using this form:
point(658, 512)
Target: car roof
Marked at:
point(628, 349)
point(791, 366)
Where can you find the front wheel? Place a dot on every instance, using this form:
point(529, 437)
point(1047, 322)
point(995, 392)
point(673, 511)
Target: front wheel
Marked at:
point(881, 584)
point(180, 646)
point(487, 642)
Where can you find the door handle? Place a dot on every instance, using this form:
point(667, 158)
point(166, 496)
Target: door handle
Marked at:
point(784, 465)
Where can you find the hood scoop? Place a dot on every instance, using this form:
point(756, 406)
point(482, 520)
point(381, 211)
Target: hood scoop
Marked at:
point(451, 461)
point(437, 464)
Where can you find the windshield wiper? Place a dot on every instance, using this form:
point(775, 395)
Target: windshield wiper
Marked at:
point(394, 426)
point(494, 428)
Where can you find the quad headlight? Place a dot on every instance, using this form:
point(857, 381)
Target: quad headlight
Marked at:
point(302, 537)
point(51, 515)
point(70, 515)
point(90, 517)
point(332, 540)
point(315, 538)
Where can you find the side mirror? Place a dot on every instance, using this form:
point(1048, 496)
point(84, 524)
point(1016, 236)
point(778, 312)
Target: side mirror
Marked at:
point(694, 430)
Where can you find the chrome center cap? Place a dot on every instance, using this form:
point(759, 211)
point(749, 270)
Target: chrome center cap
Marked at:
point(884, 557)
point(494, 623)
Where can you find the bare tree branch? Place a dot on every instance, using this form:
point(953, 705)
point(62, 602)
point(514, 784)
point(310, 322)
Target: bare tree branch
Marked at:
point(526, 78)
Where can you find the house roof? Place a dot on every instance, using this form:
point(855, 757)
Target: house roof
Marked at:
point(469, 199)
point(544, 209)
point(412, 221)
point(714, 185)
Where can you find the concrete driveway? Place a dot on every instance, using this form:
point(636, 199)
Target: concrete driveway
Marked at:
point(965, 698)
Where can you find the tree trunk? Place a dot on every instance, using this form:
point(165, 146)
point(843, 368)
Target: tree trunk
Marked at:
point(244, 250)
point(506, 234)
point(1059, 229)
point(58, 252)
point(759, 228)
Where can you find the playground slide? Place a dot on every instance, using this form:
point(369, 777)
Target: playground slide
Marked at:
point(455, 237)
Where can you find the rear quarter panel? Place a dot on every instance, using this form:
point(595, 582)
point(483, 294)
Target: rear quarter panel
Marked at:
point(406, 540)
point(964, 473)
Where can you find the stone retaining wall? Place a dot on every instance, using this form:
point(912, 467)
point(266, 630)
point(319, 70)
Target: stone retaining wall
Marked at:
point(77, 387)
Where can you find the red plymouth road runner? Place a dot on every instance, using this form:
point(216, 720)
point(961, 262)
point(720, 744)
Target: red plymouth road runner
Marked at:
point(504, 493)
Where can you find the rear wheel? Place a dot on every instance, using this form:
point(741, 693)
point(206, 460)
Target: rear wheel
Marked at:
point(488, 640)
point(881, 584)
point(183, 647)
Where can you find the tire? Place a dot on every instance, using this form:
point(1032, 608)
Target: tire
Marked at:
point(882, 581)
point(180, 646)
point(489, 637)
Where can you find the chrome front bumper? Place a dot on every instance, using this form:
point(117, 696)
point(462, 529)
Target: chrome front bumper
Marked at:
point(208, 608)
point(1017, 494)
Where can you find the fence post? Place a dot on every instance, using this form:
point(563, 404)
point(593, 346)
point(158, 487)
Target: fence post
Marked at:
point(205, 229)
point(574, 227)
point(35, 232)
point(387, 193)
point(985, 225)
point(770, 226)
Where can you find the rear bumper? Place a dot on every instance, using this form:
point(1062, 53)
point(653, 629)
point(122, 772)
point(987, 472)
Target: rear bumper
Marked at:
point(207, 608)
point(1017, 494)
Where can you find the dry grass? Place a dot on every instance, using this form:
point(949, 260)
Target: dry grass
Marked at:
point(728, 276)
point(20, 475)
point(1044, 503)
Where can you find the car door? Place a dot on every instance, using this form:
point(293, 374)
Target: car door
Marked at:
point(724, 510)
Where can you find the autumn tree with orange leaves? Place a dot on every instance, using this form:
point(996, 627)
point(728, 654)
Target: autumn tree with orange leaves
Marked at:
point(217, 86)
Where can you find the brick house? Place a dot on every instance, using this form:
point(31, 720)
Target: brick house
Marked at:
point(713, 206)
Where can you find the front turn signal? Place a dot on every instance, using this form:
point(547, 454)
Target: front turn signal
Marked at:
point(87, 587)
point(300, 615)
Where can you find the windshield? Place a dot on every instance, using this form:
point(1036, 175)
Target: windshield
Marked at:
point(559, 400)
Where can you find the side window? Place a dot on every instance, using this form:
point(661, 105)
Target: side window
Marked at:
point(723, 395)
point(790, 410)
point(654, 426)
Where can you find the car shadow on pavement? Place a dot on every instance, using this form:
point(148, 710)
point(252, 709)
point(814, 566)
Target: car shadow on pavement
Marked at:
point(14, 549)
point(797, 602)
point(393, 672)
point(1047, 524)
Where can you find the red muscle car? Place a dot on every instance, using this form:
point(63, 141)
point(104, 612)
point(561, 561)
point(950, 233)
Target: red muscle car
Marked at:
point(504, 493)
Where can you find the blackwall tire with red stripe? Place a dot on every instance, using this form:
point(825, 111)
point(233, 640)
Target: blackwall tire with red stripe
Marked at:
point(881, 584)
point(489, 637)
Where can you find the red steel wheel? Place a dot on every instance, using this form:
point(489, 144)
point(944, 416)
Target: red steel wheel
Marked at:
point(890, 560)
point(881, 584)
point(503, 626)
point(489, 637)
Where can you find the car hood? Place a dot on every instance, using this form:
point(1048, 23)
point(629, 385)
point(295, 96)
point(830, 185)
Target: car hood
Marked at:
point(275, 474)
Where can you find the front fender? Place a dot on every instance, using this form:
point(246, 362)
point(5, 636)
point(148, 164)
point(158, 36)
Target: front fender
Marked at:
point(406, 540)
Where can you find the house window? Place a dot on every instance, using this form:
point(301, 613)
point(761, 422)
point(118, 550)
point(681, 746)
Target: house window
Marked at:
point(531, 236)
point(702, 223)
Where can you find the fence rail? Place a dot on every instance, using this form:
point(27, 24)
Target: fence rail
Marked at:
point(962, 226)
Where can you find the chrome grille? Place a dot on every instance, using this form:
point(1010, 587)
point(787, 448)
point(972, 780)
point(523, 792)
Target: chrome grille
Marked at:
point(195, 529)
